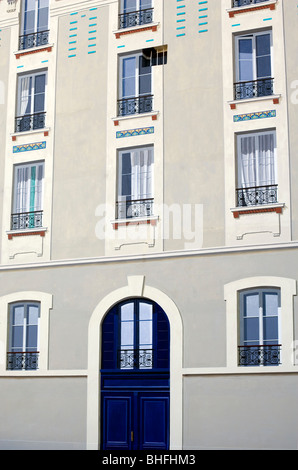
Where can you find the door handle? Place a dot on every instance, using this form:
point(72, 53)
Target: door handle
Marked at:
point(131, 436)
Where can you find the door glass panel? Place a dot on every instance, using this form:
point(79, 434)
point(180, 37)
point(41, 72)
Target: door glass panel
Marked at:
point(251, 305)
point(145, 4)
point(39, 93)
point(29, 17)
point(129, 6)
point(245, 60)
point(251, 329)
point(43, 15)
point(129, 77)
point(263, 55)
point(144, 75)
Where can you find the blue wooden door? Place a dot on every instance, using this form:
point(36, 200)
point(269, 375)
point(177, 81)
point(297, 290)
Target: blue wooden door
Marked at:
point(135, 420)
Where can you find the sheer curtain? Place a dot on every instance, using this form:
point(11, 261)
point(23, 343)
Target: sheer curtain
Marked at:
point(24, 96)
point(28, 189)
point(256, 160)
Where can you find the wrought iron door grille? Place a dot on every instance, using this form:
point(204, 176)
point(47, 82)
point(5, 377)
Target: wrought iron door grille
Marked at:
point(253, 89)
point(30, 122)
point(242, 3)
point(135, 358)
point(257, 195)
point(135, 105)
point(26, 220)
point(24, 360)
point(266, 355)
point(135, 18)
point(27, 41)
point(134, 208)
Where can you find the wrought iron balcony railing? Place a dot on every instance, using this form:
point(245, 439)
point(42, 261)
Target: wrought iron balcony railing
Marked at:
point(135, 358)
point(25, 220)
point(135, 18)
point(135, 105)
point(257, 195)
point(253, 89)
point(260, 355)
point(30, 122)
point(242, 3)
point(134, 208)
point(23, 360)
point(27, 41)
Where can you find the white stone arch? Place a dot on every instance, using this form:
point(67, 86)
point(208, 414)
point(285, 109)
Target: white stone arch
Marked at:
point(136, 288)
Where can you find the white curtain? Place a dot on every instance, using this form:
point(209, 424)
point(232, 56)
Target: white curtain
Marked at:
point(141, 174)
point(256, 160)
point(24, 95)
point(28, 189)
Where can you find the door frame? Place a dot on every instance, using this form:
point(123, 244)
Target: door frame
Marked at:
point(136, 287)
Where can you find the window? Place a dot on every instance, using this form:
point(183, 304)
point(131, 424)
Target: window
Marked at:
point(135, 183)
point(135, 335)
point(135, 84)
point(241, 3)
point(35, 24)
point(23, 336)
point(254, 65)
point(27, 196)
point(135, 12)
point(259, 327)
point(257, 180)
point(31, 102)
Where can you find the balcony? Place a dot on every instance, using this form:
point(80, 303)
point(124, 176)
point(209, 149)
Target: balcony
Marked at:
point(135, 208)
point(22, 360)
point(135, 358)
point(136, 105)
point(136, 18)
point(253, 89)
point(259, 355)
point(28, 41)
point(30, 122)
point(26, 220)
point(242, 3)
point(256, 196)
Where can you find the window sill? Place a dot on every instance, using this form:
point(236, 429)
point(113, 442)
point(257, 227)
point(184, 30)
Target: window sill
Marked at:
point(44, 130)
point(34, 50)
point(274, 98)
point(136, 29)
point(152, 114)
point(237, 211)
point(26, 232)
point(151, 220)
point(246, 9)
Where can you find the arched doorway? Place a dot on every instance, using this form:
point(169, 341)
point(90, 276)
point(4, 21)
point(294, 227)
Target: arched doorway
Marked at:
point(135, 376)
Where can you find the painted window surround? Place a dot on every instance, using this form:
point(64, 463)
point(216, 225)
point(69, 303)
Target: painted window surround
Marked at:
point(136, 287)
point(45, 301)
point(288, 290)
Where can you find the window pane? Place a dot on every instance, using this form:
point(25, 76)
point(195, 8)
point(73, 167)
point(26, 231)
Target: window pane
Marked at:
point(270, 328)
point(17, 338)
point(127, 334)
point(33, 313)
point(127, 312)
point(145, 4)
point(129, 5)
point(245, 60)
point(43, 15)
point(145, 311)
point(263, 44)
point(270, 304)
point(263, 67)
point(128, 87)
point(251, 329)
point(145, 75)
point(251, 305)
point(18, 315)
point(31, 337)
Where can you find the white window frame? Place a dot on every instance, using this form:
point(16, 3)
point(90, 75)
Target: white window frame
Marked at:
point(137, 6)
point(31, 75)
point(29, 166)
point(252, 35)
point(137, 75)
point(259, 314)
point(36, 17)
point(46, 303)
point(25, 305)
point(288, 289)
point(239, 155)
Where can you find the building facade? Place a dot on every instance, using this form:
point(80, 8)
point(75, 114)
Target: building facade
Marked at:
point(149, 224)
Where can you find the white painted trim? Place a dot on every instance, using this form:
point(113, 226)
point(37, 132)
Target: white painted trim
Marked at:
point(45, 307)
point(288, 290)
point(135, 283)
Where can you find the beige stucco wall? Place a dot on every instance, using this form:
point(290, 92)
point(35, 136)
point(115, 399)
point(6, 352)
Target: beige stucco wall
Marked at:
point(193, 118)
point(79, 152)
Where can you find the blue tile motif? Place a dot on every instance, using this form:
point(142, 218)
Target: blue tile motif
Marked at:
point(134, 132)
point(253, 116)
point(29, 147)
